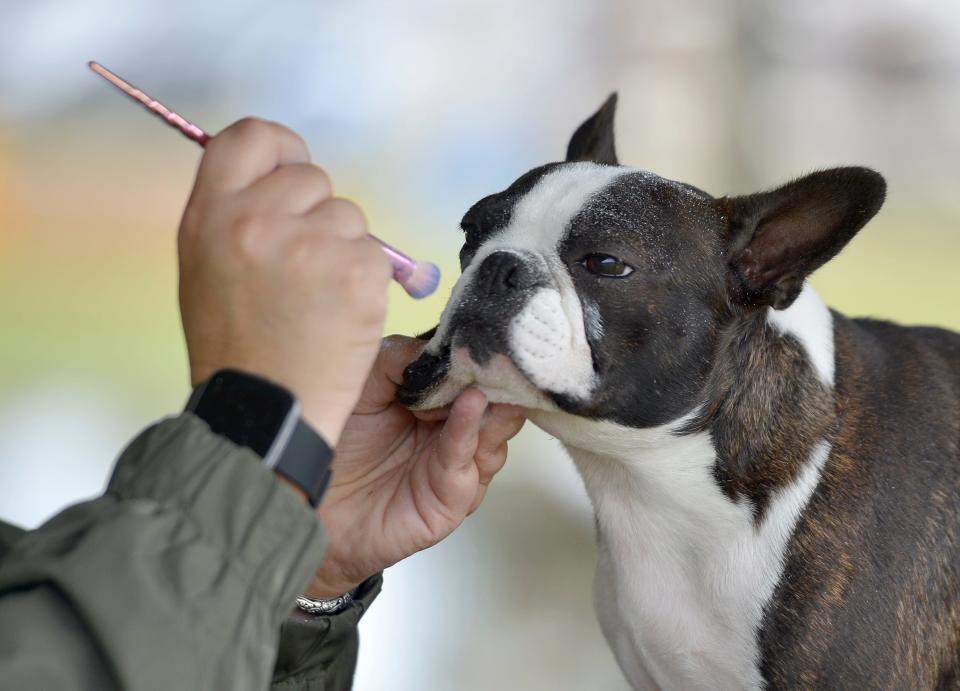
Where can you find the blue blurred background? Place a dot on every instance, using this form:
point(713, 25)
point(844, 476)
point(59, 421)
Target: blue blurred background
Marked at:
point(418, 109)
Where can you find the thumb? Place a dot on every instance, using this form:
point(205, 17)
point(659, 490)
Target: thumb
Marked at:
point(379, 391)
point(396, 352)
point(453, 474)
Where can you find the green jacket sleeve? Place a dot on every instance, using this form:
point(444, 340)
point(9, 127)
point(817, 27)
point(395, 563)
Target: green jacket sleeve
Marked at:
point(320, 653)
point(179, 577)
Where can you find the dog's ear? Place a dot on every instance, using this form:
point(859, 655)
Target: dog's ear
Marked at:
point(780, 237)
point(593, 140)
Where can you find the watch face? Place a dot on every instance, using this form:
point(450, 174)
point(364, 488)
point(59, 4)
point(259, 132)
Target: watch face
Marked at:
point(246, 410)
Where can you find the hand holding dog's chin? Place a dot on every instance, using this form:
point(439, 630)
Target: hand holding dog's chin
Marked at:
point(402, 483)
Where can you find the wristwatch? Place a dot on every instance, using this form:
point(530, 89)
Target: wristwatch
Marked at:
point(254, 412)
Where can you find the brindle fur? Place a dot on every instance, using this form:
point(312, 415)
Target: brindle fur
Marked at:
point(766, 410)
point(870, 597)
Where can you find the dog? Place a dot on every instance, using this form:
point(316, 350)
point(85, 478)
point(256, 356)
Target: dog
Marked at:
point(776, 486)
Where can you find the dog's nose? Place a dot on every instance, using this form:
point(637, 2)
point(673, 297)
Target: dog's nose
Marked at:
point(504, 272)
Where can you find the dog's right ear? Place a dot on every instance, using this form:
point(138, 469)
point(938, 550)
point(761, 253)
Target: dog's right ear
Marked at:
point(593, 140)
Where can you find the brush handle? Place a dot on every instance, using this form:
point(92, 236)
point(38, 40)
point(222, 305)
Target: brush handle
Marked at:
point(175, 120)
point(404, 267)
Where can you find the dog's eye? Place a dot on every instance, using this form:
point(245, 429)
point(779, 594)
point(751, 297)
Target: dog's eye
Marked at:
point(607, 266)
point(471, 231)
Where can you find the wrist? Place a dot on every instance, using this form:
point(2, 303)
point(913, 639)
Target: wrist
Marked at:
point(326, 419)
point(294, 486)
point(329, 582)
point(327, 415)
point(254, 412)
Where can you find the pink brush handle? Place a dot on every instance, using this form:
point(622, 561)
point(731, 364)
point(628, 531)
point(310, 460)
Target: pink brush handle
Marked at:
point(403, 266)
point(173, 119)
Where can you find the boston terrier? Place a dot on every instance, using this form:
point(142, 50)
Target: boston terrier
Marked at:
point(776, 486)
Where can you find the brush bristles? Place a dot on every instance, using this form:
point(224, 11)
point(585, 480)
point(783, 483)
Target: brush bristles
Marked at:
point(423, 281)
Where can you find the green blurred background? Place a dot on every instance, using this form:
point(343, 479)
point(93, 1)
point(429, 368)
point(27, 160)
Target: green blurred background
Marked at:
point(417, 109)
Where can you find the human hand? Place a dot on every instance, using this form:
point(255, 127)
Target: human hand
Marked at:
point(278, 277)
point(402, 480)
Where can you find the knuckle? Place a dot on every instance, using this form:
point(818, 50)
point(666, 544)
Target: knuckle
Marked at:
point(348, 216)
point(287, 133)
point(356, 277)
point(304, 250)
point(321, 180)
point(243, 134)
point(252, 127)
point(248, 234)
point(251, 131)
point(282, 133)
point(245, 129)
point(310, 176)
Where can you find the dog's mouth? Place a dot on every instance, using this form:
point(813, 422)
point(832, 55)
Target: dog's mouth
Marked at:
point(500, 378)
point(528, 351)
point(435, 379)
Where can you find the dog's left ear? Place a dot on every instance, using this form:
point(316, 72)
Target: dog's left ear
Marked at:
point(778, 238)
point(593, 140)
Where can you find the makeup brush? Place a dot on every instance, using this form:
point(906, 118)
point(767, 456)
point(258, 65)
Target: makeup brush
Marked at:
point(419, 279)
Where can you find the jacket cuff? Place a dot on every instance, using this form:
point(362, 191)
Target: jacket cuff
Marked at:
point(233, 501)
point(320, 652)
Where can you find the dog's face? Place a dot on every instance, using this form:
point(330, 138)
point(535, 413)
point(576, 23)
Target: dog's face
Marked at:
point(600, 290)
point(571, 296)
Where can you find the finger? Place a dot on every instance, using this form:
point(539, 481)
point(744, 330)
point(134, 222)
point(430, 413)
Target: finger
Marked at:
point(477, 499)
point(433, 414)
point(461, 431)
point(294, 189)
point(380, 389)
point(452, 475)
point(338, 216)
point(246, 151)
point(489, 463)
point(502, 423)
point(396, 352)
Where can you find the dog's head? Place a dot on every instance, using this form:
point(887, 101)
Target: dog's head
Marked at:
point(600, 290)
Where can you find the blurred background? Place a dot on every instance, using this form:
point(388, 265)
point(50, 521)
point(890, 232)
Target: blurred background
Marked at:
point(418, 109)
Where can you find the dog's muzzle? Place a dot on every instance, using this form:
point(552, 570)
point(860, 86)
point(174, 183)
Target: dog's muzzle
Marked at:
point(477, 320)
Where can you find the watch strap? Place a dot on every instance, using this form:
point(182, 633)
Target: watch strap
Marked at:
point(305, 461)
point(244, 408)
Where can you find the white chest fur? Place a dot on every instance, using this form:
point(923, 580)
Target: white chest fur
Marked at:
point(683, 572)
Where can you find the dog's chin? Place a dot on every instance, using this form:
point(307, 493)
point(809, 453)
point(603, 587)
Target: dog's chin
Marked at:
point(500, 380)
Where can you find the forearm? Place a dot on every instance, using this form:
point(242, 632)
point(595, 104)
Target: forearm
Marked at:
point(179, 576)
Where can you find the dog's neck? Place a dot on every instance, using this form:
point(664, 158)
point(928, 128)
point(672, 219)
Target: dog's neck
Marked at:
point(766, 403)
point(694, 516)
